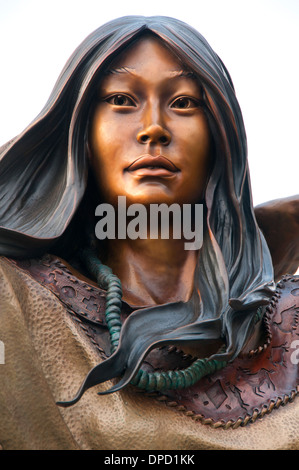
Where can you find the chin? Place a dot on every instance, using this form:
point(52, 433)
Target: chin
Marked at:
point(153, 196)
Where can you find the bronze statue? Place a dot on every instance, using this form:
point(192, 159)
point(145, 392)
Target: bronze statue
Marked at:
point(144, 109)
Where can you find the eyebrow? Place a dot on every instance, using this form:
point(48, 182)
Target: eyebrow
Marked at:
point(130, 70)
point(119, 70)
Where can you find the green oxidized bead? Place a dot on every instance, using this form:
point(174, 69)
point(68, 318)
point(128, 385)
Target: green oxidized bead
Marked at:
point(152, 382)
point(167, 380)
point(114, 322)
point(113, 302)
point(143, 379)
point(173, 379)
point(194, 374)
point(112, 316)
point(181, 381)
point(188, 378)
point(161, 383)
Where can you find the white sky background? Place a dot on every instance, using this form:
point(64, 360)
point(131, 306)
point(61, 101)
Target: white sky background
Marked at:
point(258, 40)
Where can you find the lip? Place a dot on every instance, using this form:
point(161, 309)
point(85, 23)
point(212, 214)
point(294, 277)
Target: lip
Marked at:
point(147, 165)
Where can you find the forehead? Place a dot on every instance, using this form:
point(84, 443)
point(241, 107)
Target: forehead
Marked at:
point(147, 54)
point(148, 62)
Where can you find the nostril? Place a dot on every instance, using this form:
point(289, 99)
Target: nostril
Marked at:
point(154, 134)
point(163, 139)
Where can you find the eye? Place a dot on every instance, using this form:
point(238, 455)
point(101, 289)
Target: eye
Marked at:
point(120, 100)
point(185, 102)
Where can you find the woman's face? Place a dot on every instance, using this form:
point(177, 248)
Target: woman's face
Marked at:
point(149, 138)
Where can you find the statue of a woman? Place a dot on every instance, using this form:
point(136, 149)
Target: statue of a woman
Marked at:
point(144, 109)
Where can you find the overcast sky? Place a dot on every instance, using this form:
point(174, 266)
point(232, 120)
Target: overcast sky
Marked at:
point(257, 40)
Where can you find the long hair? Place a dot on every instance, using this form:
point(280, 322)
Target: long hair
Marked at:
point(43, 178)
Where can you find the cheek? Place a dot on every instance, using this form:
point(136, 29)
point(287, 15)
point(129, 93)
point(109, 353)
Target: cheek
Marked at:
point(100, 138)
point(103, 154)
point(198, 157)
point(105, 144)
point(196, 144)
point(203, 152)
point(111, 136)
point(202, 138)
point(98, 145)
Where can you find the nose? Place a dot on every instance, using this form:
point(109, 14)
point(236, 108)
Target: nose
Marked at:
point(153, 129)
point(154, 134)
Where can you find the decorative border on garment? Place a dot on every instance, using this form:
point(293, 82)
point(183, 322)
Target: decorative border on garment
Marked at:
point(270, 318)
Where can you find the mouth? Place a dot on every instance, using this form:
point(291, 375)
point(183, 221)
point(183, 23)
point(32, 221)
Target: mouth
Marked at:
point(147, 165)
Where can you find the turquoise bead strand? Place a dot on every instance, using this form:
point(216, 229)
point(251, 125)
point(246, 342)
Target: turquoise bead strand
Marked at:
point(148, 381)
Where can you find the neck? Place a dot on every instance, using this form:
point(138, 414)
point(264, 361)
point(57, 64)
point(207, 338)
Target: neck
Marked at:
point(151, 271)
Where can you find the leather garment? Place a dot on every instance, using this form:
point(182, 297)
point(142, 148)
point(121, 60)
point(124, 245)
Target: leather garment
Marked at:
point(247, 388)
point(50, 347)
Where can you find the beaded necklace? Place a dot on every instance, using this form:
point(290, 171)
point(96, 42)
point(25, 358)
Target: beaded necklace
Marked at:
point(148, 381)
